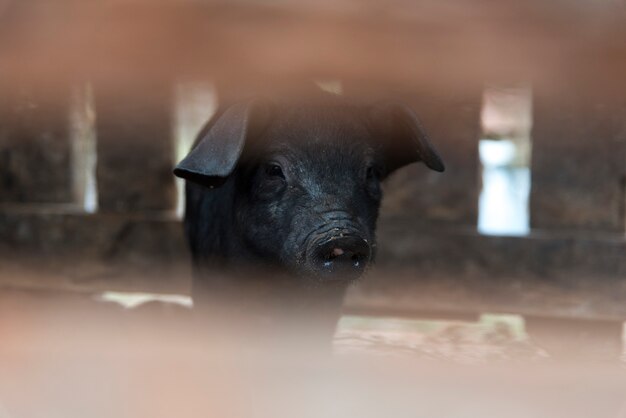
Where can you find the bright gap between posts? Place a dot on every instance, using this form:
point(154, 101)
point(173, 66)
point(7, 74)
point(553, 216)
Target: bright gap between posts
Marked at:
point(504, 150)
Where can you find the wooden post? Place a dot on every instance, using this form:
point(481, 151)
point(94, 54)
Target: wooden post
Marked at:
point(135, 147)
point(578, 159)
point(35, 146)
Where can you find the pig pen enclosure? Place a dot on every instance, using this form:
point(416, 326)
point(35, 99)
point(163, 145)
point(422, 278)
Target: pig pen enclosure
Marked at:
point(533, 224)
point(525, 102)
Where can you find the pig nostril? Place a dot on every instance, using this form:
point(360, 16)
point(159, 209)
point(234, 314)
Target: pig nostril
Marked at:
point(341, 257)
point(337, 252)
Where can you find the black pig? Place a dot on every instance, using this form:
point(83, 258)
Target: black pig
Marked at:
point(294, 188)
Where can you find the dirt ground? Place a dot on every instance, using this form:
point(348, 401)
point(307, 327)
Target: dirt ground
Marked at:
point(73, 355)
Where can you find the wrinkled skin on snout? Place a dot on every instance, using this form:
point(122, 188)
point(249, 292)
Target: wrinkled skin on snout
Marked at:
point(308, 197)
point(296, 188)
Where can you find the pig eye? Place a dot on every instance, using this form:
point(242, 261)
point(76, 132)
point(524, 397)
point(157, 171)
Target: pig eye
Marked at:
point(373, 173)
point(274, 170)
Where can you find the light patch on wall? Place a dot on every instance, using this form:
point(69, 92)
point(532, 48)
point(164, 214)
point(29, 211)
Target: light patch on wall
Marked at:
point(492, 336)
point(82, 119)
point(504, 152)
point(194, 105)
point(331, 86)
point(130, 300)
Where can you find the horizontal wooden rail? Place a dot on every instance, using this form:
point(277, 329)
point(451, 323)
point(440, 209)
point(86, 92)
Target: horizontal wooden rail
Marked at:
point(404, 42)
point(419, 269)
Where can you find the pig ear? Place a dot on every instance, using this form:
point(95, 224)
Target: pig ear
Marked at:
point(221, 142)
point(406, 139)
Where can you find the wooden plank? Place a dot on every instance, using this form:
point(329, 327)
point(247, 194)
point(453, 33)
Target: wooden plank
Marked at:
point(406, 41)
point(142, 239)
point(440, 270)
point(135, 147)
point(578, 159)
point(93, 252)
point(35, 146)
point(450, 270)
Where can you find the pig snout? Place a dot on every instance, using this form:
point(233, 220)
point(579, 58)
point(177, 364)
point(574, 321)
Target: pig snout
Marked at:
point(340, 255)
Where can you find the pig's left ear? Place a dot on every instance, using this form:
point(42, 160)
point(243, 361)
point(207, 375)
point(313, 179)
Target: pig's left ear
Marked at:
point(221, 142)
point(405, 139)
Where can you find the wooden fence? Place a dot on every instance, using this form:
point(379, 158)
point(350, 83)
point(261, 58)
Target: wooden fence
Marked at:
point(432, 259)
point(572, 264)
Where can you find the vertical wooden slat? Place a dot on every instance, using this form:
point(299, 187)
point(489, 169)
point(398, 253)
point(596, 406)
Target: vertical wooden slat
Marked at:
point(578, 163)
point(135, 147)
point(35, 146)
point(621, 137)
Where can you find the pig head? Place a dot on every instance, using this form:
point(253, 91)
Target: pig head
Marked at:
point(296, 187)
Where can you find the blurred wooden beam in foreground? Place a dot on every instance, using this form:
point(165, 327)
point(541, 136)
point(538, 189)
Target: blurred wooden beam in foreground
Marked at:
point(420, 270)
point(407, 43)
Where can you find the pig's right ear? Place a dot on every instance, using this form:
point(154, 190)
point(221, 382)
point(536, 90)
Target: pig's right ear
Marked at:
point(221, 142)
point(406, 140)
